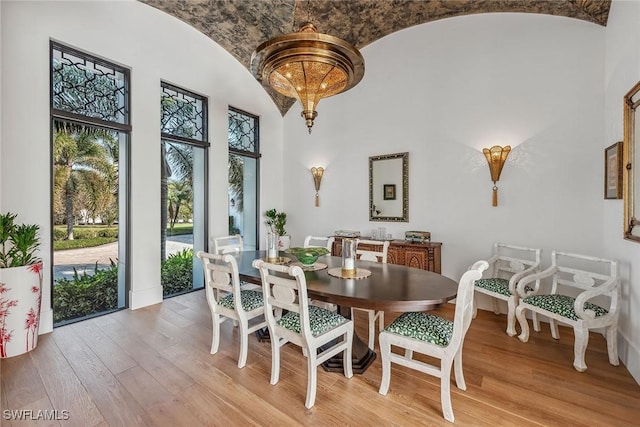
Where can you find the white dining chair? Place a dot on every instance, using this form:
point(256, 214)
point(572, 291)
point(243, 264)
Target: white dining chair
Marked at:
point(435, 337)
point(321, 333)
point(319, 242)
point(376, 251)
point(227, 301)
point(227, 244)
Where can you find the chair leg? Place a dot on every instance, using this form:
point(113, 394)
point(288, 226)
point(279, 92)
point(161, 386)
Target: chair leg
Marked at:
point(458, 370)
point(372, 329)
point(385, 355)
point(553, 325)
point(381, 321)
point(312, 378)
point(612, 344)
point(535, 321)
point(445, 389)
point(580, 348)
point(347, 356)
point(244, 343)
point(215, 339)
point(475, 305)
point(524, 326)
point(496, 307)
point(512, 303)
point(275, 358)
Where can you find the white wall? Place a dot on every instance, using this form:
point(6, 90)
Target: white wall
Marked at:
point(442, 91)
point(446, 89)
point(155, 46)
point(622, 71)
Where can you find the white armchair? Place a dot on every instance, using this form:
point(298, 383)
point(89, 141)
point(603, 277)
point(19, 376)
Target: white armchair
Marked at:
point(507, 266)
point(584, 294)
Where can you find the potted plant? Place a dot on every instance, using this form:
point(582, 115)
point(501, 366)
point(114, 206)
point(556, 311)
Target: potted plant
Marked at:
point(20, 286)
point(276, 222)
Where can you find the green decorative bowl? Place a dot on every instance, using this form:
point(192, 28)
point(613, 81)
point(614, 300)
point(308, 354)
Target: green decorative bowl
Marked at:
point(308, 256)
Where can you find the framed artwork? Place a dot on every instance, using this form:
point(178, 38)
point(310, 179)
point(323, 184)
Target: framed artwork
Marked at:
point(613, 171)
point(389, 191)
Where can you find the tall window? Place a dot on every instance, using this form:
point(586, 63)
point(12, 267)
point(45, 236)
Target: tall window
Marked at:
point(183, 188)
point(90, 149)
point(244, 154)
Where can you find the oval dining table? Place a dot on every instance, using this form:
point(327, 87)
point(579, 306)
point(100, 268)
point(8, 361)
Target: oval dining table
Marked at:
point(390, 287)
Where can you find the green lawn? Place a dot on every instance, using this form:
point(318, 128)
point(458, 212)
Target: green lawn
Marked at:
point(86, 236)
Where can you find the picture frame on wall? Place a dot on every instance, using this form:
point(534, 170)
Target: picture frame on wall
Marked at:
point(389, 191)
point(613, 171)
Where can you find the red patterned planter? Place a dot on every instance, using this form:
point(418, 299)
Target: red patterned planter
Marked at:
point(20, 298)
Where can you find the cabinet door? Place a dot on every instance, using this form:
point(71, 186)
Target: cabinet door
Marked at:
point(416, 258)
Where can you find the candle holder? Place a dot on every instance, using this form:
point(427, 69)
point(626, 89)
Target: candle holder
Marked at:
point(272, 247)
point(349, 258)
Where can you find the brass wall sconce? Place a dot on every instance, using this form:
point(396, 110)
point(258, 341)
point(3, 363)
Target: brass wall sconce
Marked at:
point(317, 178)
point(496, 156)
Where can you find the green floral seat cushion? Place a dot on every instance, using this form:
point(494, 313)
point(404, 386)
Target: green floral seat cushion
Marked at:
point(562, 305)
point(423, 327)
point(320, 320)
point(499, 286)
point(250, 300)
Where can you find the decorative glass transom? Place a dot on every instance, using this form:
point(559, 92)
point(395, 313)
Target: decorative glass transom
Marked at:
point(84, 85)
point(243, 131)
point(183, 113)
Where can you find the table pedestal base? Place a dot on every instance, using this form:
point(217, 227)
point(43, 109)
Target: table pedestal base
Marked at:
point(362, 356)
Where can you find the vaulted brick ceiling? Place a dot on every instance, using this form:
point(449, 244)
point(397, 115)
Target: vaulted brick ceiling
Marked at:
point(241, 25)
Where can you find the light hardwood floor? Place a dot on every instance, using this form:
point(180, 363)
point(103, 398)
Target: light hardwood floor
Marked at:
point(152, 367)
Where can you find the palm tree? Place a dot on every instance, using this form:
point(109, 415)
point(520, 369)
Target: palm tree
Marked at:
point(79, 158)
point(177, 160)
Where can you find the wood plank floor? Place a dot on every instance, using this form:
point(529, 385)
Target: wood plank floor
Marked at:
point(152, 367)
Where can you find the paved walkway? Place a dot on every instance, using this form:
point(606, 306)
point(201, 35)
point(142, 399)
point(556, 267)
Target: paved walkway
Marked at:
point(84, 260)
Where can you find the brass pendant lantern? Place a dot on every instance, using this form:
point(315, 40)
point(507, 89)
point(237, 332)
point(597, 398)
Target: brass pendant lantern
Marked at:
point(308, 66)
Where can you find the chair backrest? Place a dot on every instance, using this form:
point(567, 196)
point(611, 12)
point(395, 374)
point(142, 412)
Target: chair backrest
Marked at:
point(512, 262)
point(227, 244)
point(221, 275)
point(285, 294)
point(372, 250)
point(319, 242)
point(582, 272)
point(464, 301)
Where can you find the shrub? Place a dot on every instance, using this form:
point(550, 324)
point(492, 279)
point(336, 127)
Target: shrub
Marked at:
point(177, 272)
point(85, 294)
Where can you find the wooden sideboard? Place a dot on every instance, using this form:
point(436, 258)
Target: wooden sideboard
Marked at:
point(419, 255)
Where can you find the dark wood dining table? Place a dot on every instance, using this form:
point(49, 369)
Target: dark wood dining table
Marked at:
point(390, 287)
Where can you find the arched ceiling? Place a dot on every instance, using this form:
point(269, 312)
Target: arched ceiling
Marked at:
point(241, 25)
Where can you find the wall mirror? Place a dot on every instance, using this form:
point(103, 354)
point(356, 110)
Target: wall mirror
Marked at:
point(389, 187)
point(631, 157)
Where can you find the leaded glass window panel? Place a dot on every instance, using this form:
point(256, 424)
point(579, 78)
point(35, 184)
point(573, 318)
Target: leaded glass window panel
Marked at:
point(243, 131)
point(183, 113)
point(87, 86)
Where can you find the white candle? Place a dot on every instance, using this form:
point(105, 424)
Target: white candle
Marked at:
point(272, 253)
point(349, 264)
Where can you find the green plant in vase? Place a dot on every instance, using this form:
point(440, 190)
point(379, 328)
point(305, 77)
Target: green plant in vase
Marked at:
point(276, 221)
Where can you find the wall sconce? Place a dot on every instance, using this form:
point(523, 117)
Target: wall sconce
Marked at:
point(317, 178)
point(496, 156)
